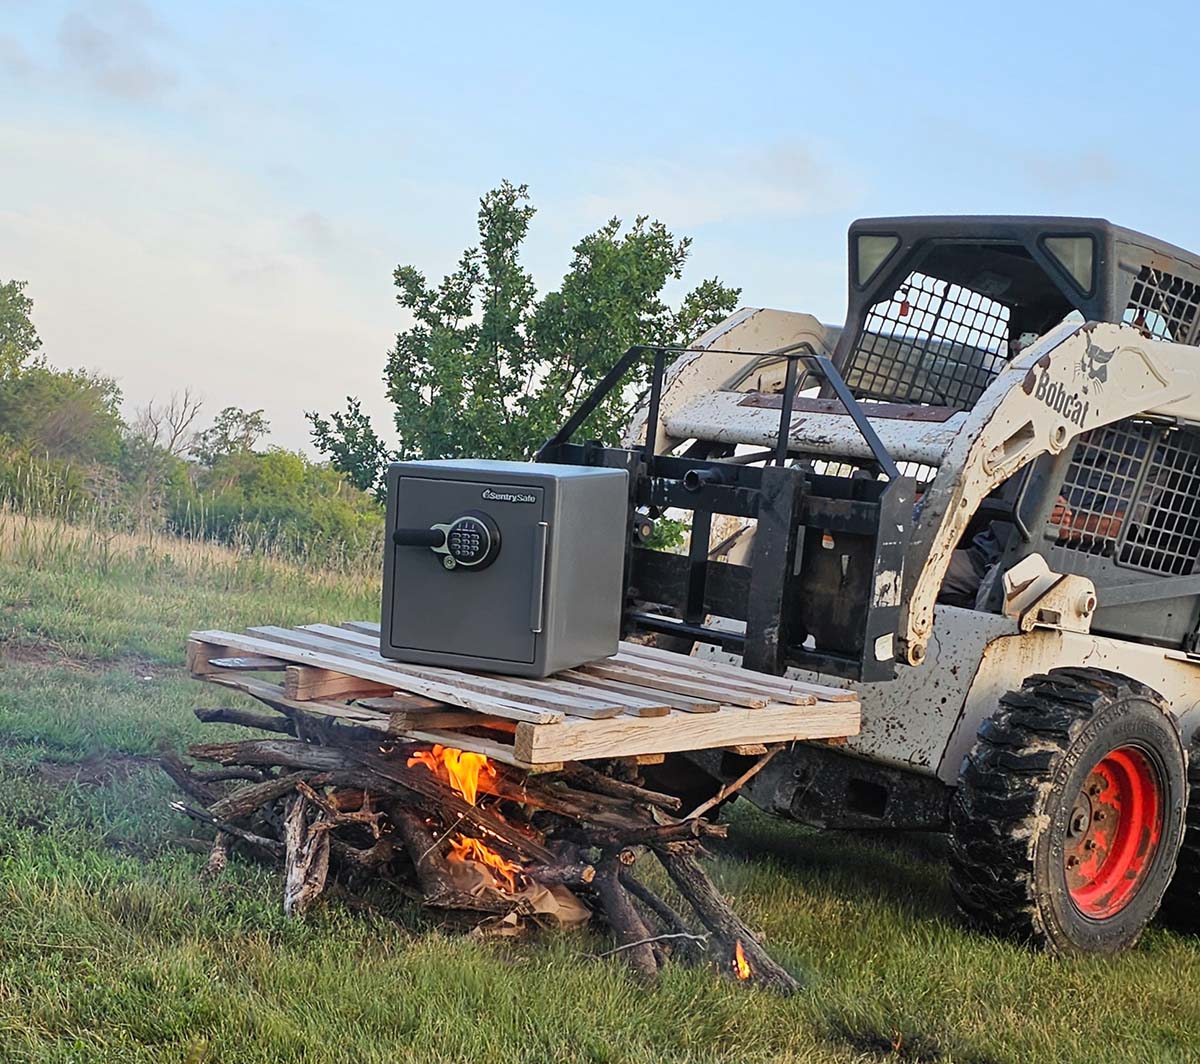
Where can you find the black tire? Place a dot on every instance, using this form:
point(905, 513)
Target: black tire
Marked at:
point(1069, 812)
point(1181, 903)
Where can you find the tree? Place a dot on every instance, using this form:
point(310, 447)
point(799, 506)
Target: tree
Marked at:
point(66, 415)
point(168, 426)
point(353, 446)
point(234, 431)
point(18, 338)
point(488, 369)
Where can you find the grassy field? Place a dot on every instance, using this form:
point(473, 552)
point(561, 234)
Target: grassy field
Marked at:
point(111, 949)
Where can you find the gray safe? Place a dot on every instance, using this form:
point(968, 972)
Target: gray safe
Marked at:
point(510, 567)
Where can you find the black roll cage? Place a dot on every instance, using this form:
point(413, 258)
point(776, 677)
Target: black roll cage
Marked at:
point(809, 597)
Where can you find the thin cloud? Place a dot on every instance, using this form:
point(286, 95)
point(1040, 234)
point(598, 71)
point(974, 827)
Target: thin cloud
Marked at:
point(785, 181)
point(1067, 173)
point(14, 60)
point(110, 45)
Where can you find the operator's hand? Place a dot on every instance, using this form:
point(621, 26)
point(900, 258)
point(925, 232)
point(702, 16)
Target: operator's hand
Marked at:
point(1061, 514)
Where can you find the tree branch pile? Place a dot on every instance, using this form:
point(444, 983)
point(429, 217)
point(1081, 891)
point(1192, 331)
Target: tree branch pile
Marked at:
point(480, 842)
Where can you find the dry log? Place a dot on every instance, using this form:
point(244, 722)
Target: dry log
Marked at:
point(624, 919)
point(667, 916)
point(579, 874)
point(271, 847)
point(219, 775)
point(575, 805)
point(647, 833)
point(182, 776)
point(714, 912)
point(306, 863)
point(247, 718)
point(245, 800)
point(284, 753)
point(733, 786)
point(591, 780)
point(359, 861)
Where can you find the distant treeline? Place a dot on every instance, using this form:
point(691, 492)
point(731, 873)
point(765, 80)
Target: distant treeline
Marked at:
point(66, 450)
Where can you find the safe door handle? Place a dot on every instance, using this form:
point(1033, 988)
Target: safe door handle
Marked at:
point(541, 539)
point(419, 537)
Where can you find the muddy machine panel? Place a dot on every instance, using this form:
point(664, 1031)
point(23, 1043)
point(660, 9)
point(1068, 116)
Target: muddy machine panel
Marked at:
point(503, 566)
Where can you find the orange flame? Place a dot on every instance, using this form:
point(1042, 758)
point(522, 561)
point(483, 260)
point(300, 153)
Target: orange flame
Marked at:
point(465, 848)
point(463, 768)
point(741, 966)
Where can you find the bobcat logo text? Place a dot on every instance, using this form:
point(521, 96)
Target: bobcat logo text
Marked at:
point(1065, 403)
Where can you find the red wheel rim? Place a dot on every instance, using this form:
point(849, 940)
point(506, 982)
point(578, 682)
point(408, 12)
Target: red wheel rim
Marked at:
point(1113, 832)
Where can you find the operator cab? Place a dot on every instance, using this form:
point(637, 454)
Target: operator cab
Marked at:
point(939, 305)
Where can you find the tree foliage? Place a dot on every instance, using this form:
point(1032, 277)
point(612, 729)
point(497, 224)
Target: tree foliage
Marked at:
point(69, 415)
point(488, 369)
point(353, 446)
point(233, 431)
point(19, 340)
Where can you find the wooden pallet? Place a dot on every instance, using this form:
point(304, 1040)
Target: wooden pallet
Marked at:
point(641, 702)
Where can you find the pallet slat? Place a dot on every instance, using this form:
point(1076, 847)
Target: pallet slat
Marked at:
point(498, 707)
point(645, 706)
point(673, 701)
point(750, 686)
point(665, 681)
point(736, 673)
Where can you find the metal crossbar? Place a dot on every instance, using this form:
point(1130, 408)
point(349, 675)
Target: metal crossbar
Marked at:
point(798, 353)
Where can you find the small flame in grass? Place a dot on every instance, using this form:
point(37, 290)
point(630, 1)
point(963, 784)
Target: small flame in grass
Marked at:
point(462, 768)
point(741, 966)
point(465, 848)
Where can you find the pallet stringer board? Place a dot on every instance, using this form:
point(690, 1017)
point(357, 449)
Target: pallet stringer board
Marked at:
point(584, 739)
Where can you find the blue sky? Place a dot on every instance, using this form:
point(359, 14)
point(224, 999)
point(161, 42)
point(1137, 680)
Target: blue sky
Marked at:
point(215, 194)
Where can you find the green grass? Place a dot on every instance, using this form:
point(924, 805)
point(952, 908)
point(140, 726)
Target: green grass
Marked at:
point(112, 949)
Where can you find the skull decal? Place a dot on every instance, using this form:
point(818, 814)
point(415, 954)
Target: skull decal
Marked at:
point(1094, 366)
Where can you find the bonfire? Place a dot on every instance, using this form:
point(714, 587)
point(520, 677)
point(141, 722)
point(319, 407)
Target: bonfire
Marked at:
point(482, 843)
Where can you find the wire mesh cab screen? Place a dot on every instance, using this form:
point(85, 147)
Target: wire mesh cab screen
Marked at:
point(1132, 494)
point(1163, 305)
point(933, 341)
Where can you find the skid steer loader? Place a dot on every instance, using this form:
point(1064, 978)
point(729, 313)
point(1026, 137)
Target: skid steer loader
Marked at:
point(977, 503)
